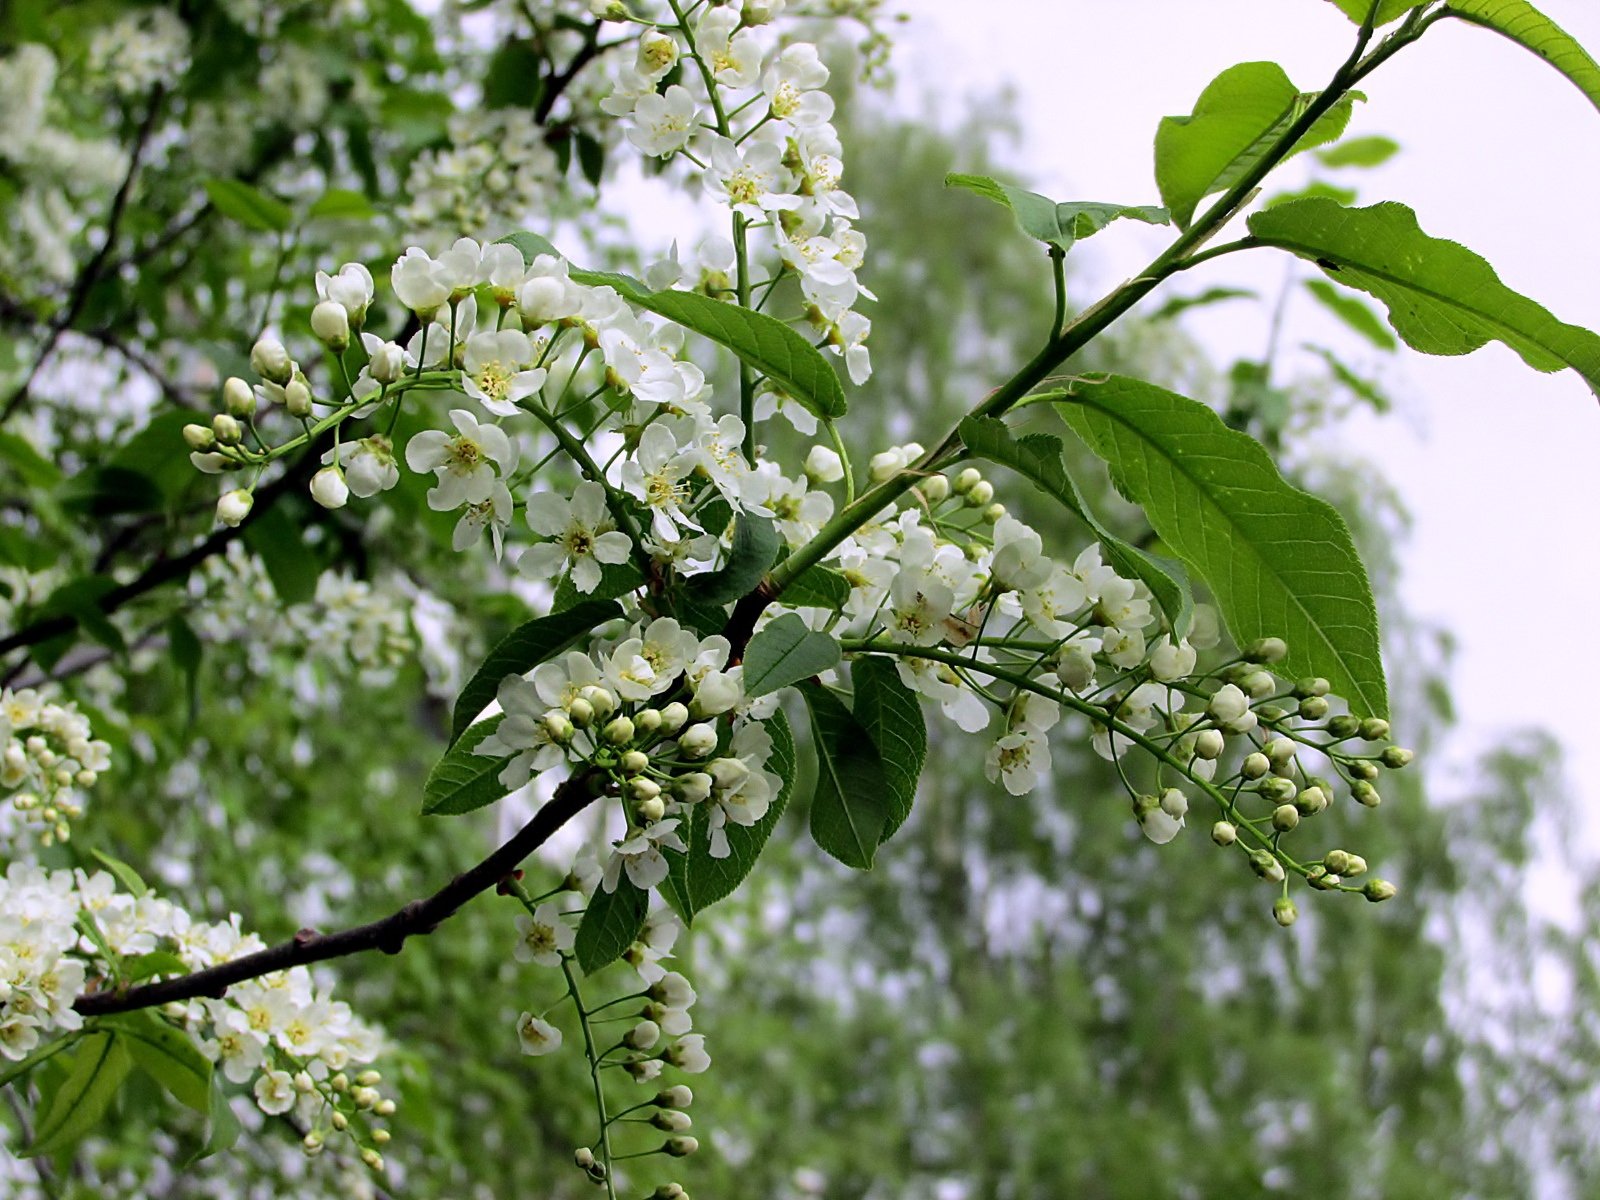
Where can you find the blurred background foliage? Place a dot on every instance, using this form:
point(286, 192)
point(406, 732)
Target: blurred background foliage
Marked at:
point(1025, 999)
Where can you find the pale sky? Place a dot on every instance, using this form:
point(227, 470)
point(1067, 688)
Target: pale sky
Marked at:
point(1494, 461)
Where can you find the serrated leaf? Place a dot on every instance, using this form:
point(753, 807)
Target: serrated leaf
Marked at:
point(1531, 29)
point(818, 587)
point(850, 809)
point(99, 1065)
point(755, 547)
point(610, 925)
point(1388, 10)
point(763, 342)
point(167, 1055)
point(249, 206)
point(1442, 298)
point(1371, 151)
point(786, 652)
point(1061, 224)
point(1239, 117)
point(1280, 562)
point(463, 780)
point(1354, 313)
point(524, 648)
point(1039, 459)
point(698, 880)
point(892, 716)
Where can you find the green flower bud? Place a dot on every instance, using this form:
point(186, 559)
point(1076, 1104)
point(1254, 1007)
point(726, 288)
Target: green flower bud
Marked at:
point(297, 399)
point(647, 720)
point(1264, 864)
point(1374, 729)
point(199, 438)
point(619, 732)
point(967, 480)
point(980, 494)
point(1277, 789)
point(1272, 713)
point(1378, 890)
point(1365, 794)
point(1344, 726)
point(1361, 768)
point(675, 1097)
point(1255, 765)
point(993, 513)
point(1209, 744)
point(1224, 833)
point(673, 718)
point(1311, 801)
point(1285, 818)
point(681, 1147)
point(1267, 650)
point(1284, 911)
point(237, 398)
point(1395, 757)
point(581, 713)
point(1316, 686)
point(227, 430)
point(1322, 879)
point(1314, 708)
point(635, 762)
point(935, 489)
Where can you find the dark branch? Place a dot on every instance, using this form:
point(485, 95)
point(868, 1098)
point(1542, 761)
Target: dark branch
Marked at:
point(388, 934)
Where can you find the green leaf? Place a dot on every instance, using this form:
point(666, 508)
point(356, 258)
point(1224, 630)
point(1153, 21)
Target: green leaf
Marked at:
point(463, 780)
point(763, 342)
point(1371, 151)
point(610, 925)
point(32, 468)
point(1215, 295)
point(524, 648)
point(280, 542)
point(1281, 563)
point(786, 652)
point(1039, 459)
point(1358, 385)
point(1239, 117)
point(1315, 190)
point(818, 587)
point(249, 206)
point(1442, 298)
point(109, 491)
point(187, 652)
point(892, 716)
point(1353, 313)
point(755, 547)
point(156, 962)
point(1388, 10)
point(167, 1055)
point(342, 204)
point(850, 809)
point(616, 579)
point(698, 880)
point(131, 881)
point(1531, 29)
point(80, 600)
point(99, 1065)
point(13, 1071)
point(1058, 224)
point(222, 1125)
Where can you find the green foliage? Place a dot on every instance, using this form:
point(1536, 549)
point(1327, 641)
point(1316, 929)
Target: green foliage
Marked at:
point(851, 807)
point(1387, 10)
point(1280, 562)
point(167, 1055)
point(1061, 225)
point(1371, 151)
point(464, 780)
point(1354, 313)
point(1038, 459)
point(785, 652)
point(755, 548)
point(1442, 298)
point(249, 206)
point(1240, 117)
point(99, 1064)
point(1531, 29)
point(524, 648)
point(892, 716)
point(610, 925)
point(818, 587)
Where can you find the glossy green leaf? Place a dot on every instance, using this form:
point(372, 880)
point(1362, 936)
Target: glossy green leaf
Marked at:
point(1039, 459)
point(131, 881)
point(156, 962)
point(222, 1125)
point(1057, 224)
point(755, 547)
point(610, 925)
point(1442, 298)
point(785, 652)
point(10, 1072)
point(167, 1055)
point(763, 342)
point(1371, 151)
point(818, 587)
point(99, 1065)
point(892, 716)
point(616, 580)
point(1280, 562)
point(698, 880)
point(523, 649)
point(1388, 10)
point(249, 206)
point(1531, 29)
point(463, 780)
point(1353, 312)
point(1239, 117)
point(850, 809)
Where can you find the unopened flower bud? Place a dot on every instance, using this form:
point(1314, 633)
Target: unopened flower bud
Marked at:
point(1322, 879)
point(199, 437)
point(1314, 708)
point(1361, 768)
point(1311, 801)
point(647, 720)
point(372, 1158)
point(1174, 803)
point(1259, 684)
point(297, 399)
point(328, 487)
point(235, 506)
point(1395, 757)
point(1342, 862)
point(1344, 726)
point(678, 1096)
point(993, 513)
point(1255, 765)
point(1280, 750)
point(270, 360)
point(673, 718)
point(1365, 794)
point(237, 397)
point(1277, 789)
point(1209, 744)
point(581, 713)
point(1267, 650)
point(823, 465)
point(618, 732)
point(381, 1136)
point(1264, 864)
point(384, 1108)
point(1316, 686)
point(388, 363)
point(227, 429)
point(601, 699)
point(979, 495)
point(672, 1120)
point(642, 1036)
point(1378, 890)
point(935, 489)
point(1224, 833)
point(558, 728)
point(884, 465)
point(365, 1097)
point(1285, 818)
point(698, 740)
point(651, 809)
point(635, 762)
point(1284, 911)
point(330, 322)
point(1374, 729)
point(966, 481)
point(583, 1157)
point(681, 1147)
point(311, 1143)
point(339, 1121)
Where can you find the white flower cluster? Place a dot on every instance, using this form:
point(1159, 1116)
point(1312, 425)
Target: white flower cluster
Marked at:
point(599, 711)
point(48, 757)
point(497, 173)
point(290, 1040)
point(140, 50)
point(780, 169)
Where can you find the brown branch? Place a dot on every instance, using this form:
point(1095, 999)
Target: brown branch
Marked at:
point(415, 919)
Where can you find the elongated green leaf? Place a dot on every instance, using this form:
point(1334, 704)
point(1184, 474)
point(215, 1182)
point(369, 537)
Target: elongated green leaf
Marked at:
point(609, 925)
point(1442, 298)
point(1388, 10)
point(1531, 29)
point(755, 547)
point(1237, 120)
point(850, 810)
point(698, 880)
point(463, 780)
point(1058, 224)
point(523, 649)
point(280, 542)
point(155, 962)
point(786, 652)
point(222, 1125)
point(1358, 385)
point(1038, 458)
point(342, 204)
point(1215, 295)
point(892, 716)
point(1281, 563)
point(13, 1071)
point(99, 1065)
point(763, 342)
point(32, 468)
point(167, 1055)
point(130, 879)
point(1353, 313)
point(1371, 151)
point(818, 587)
point(249, 206)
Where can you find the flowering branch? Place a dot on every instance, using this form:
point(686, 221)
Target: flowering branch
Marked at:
point(416, 918)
